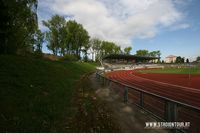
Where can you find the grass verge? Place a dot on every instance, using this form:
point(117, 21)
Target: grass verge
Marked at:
point(36, 94)
point(192, 70)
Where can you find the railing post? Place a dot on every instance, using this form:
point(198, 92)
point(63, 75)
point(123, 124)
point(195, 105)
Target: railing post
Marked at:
point(171, 111)
point(100, 79)
point(126, 94)
point(103, 81)
point(141, 99)
point(106, 82)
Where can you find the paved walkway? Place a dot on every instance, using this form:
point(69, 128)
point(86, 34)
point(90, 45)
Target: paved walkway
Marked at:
point(130, 118)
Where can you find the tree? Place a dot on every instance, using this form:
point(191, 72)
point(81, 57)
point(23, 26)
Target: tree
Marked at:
point(39, 39)
point(127, 50)
point(142, 52)
point(109, 48)
point(198, 58)
point(180, 59)
point(77, 37)
point(154, 53)
point(187, 60)
point(117, 49)
point(66, 37)
point(54, 36)
point(158, 53)
point(85, 49)
point(18, 25)
point(183, 60)
point(63, 40)
point(95, 48)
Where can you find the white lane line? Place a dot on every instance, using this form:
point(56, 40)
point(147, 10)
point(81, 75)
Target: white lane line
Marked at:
point(168, 83)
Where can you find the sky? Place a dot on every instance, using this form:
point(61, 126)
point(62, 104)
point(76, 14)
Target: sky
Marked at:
point(171, 26)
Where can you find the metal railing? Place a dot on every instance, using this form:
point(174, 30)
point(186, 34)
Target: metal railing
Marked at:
point(170, 110)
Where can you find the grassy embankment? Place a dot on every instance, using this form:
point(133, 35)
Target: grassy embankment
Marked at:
point(192, 70)
point(36, 94)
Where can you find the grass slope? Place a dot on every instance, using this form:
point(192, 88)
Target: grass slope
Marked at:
point(192, 70)
point(36, 94)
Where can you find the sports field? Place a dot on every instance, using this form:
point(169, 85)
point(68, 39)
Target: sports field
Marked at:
point(192, 70)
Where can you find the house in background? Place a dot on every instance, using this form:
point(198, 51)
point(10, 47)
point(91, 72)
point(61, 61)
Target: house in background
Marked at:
point(170, 59)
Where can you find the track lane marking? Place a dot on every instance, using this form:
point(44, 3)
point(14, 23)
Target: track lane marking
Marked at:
point(184, 87)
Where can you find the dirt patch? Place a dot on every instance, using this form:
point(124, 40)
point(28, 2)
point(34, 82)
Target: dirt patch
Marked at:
point(91, 113)
point(130, 118)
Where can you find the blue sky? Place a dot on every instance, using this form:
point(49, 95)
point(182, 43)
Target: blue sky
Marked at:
point(171, 26)
point(183, 42)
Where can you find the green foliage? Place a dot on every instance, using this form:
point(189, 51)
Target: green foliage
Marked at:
point(95, 47)
point(142, 52)
point(38, 54)
point(39, 39)
point(69, 57)
point(154, 53)
point(102, 48)
point(109, 48)
point(77, 38)
point(66, 37)
point(55, 36)
point(36, 95)
point(127, 50)
point(180, 59)
point(18, 25)
point(198, 58)
point(187, 60)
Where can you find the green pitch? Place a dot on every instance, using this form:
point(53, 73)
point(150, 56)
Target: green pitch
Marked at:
point(192, 70)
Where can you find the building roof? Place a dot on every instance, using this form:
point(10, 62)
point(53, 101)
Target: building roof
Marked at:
point(171, 56)
point(129, 57)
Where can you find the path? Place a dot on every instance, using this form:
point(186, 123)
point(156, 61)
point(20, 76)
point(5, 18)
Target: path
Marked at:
point(130, 118)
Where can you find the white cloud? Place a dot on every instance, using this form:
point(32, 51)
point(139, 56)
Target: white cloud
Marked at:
point(119, 20)
point(180, 26)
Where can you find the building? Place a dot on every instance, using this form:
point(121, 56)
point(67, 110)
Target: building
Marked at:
point(130, 59)
point(170, 59)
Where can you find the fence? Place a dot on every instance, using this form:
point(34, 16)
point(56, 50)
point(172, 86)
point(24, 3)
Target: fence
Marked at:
point(163, 108)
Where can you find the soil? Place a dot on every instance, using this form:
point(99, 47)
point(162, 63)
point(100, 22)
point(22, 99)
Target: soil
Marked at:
point(130, 118)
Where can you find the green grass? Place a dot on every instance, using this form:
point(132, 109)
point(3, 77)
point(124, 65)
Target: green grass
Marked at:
point(36, 94)
point(192, 70)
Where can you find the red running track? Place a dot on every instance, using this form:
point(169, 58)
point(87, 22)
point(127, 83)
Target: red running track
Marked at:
point(174, 86)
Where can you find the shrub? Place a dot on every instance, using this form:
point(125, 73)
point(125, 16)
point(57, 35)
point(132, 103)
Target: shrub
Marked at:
point(70, 57)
